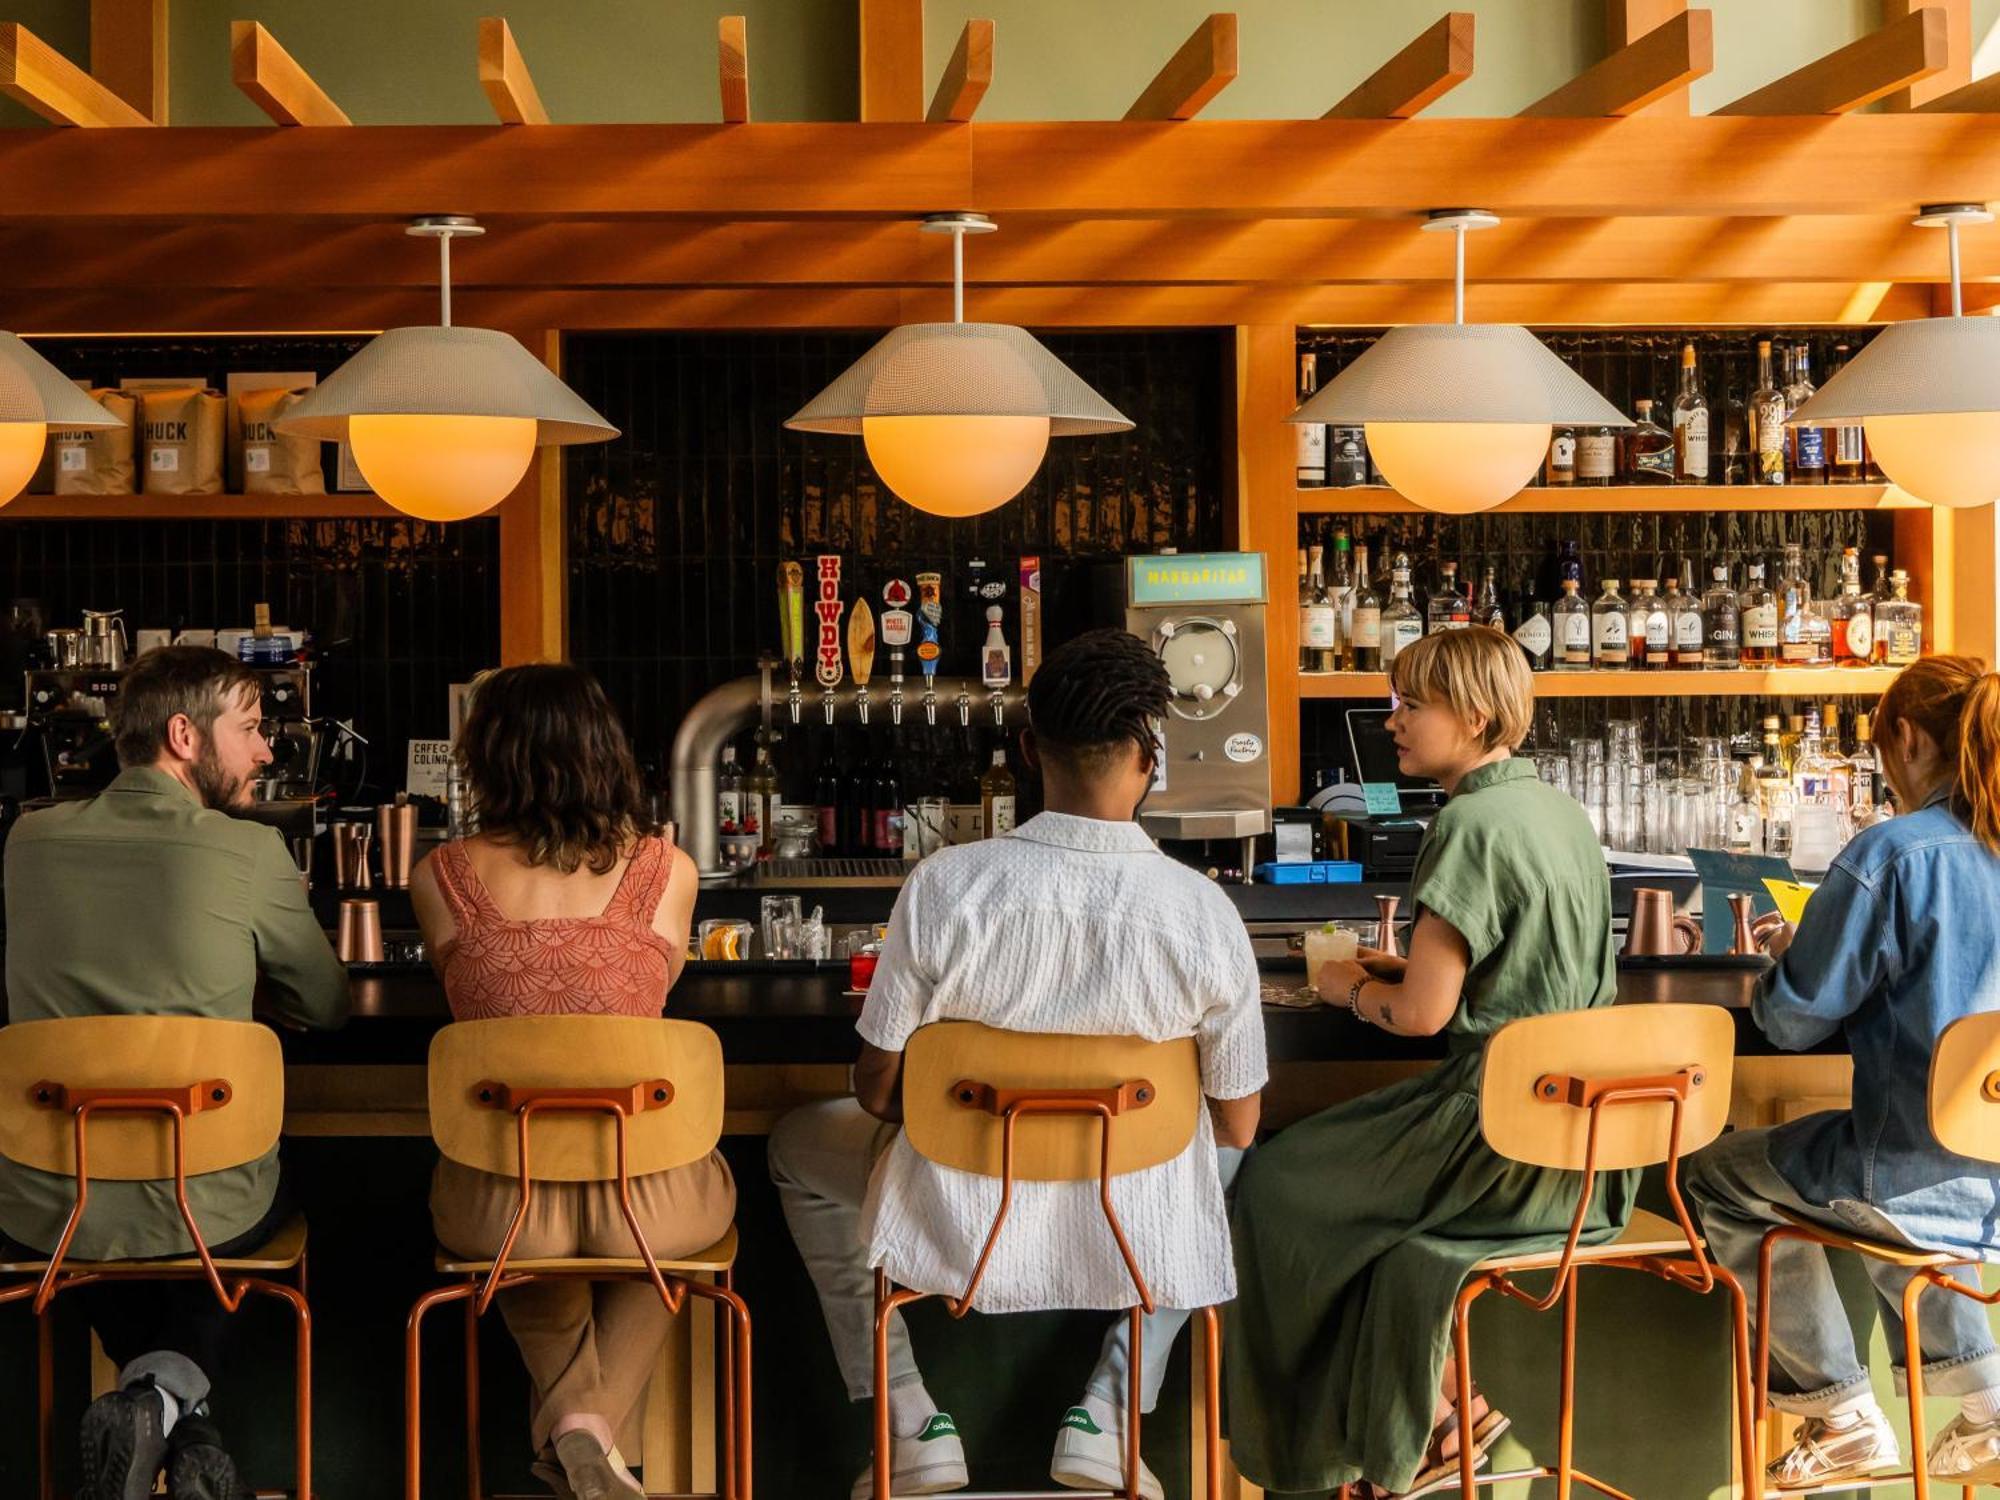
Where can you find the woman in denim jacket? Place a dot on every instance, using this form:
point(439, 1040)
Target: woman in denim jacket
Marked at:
point(1902, 939)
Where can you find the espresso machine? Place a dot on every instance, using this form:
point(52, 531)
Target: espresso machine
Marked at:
point(1203, 614)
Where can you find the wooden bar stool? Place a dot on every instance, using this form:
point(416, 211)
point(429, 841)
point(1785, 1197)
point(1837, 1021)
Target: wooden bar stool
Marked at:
point(1603, 1090)
point(1965, 1117)
point(609, 1098)
point(1029, 1107)
point(148, 1098)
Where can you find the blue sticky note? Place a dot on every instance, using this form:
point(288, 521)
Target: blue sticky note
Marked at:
point(1382, 798)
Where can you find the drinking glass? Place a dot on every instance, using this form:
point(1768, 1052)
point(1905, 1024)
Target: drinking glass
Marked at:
point(772, 913)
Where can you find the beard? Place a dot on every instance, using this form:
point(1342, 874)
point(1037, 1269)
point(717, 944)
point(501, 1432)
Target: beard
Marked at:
point(215, 786)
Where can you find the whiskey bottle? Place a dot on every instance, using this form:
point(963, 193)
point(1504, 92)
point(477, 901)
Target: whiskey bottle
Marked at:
point(1865, 773)
point(1596, 455)
point(1690, 424)
point(1760, 621)
point(1610, 630)
point(1486, 609)
point(1561, 467)
point(1685, 625)
point(1767, 423)
point(1880, 590)
point(1721, 623)
point(1572, 630)
point(1852, 615)
point(761, 800)
point(1402, 622)
point(1365, 640)
point(1795, 647)
point(1310, 437)
point(1646, 449)
point(1447, 608)
point(1805, 447)
point(1846, 443)
point(1899, 625)
point(1319, 642)
point(1735, 465)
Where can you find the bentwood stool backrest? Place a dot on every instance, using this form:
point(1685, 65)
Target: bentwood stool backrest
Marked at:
point(1632, 1061)
point(666, 1075)
point(960, 1076)
point(1965, 1087)
point(228, 1077)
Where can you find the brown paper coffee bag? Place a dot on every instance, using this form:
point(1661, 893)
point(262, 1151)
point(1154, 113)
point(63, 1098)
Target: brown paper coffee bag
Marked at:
point(263, 461)
point(96, 460)
point(180, 436)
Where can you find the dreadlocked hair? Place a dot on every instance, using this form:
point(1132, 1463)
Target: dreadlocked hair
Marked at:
point(1096, 693)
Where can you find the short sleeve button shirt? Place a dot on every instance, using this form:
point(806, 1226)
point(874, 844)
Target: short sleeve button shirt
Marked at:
point(1076, 926)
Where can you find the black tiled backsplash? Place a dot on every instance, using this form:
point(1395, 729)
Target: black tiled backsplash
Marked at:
point(677, 527)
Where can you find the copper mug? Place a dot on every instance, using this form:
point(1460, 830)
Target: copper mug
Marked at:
point(1656, 930)
point(350, 856)
point(359, 939)
point(1751, 933)
point(396, 838)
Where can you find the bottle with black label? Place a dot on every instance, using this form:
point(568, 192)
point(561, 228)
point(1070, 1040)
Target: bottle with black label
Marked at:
point(1805, 447)
point(1346, 455)
point(1535, 635)
point(1721, 622)
point(1561, 467)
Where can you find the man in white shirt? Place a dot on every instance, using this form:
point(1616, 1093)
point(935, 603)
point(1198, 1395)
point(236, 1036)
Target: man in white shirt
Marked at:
point(1075, 923)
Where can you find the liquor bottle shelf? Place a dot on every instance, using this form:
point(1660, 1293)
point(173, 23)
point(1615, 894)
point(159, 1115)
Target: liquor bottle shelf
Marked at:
point(1572, 499)
point(1777, 682)
point(218, 507)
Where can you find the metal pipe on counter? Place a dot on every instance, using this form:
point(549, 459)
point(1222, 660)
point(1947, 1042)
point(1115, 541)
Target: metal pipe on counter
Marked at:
point(725, 712)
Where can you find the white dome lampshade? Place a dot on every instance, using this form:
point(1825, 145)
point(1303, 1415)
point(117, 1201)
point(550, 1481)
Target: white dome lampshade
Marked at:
point(444, 421)
point(35, 396)
point(1927, 392)
point(956, 417)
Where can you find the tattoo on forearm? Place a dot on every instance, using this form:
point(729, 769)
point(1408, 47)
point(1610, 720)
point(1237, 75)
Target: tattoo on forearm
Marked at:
point(1382, 1014)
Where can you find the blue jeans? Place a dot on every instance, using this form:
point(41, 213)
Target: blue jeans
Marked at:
point(1814, 1363)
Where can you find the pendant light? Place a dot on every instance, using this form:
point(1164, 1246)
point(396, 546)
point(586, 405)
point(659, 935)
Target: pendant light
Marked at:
point(1458, 414)
point(34, 397)
point(443, 421)
point(1927, 392)
point(957, 416)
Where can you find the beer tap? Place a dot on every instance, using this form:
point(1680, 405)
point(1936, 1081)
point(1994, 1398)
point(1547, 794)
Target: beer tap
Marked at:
point(930, 617)
point(896, 626)
point(826, 612)
point(861, 653)
point(792, 631)
point(996, 666)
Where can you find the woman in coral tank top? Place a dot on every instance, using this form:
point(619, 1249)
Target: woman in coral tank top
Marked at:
point(567, 901)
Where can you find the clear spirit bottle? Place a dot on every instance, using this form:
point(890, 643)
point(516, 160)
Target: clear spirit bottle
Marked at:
point(1610, 630)
point(1402, 622)
point(1846, 443)
point(1572, 629)
point(1561, 467)
point(1319, 642)
point(1690, 650)
point(1651, 634)
point(1690, 424)
point(1795, 648)
point(1805, 447)
point(1596, 455)
point(1721, 623)
point(1899, 625)
point(1760, 622)
point(1767, 423)
point(1487, 609)
point(1536, 634)
point(1448, 608)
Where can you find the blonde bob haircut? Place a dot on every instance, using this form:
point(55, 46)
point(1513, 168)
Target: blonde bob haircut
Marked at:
point(1474, 672)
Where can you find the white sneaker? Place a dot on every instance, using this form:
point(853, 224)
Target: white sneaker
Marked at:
point(1966, 1453)
point(928, 1464)
point(1826, 1455)
point(1089, 1458)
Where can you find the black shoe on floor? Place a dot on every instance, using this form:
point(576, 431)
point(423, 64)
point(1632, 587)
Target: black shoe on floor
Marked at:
point(199, 1467)
point(123, 1445)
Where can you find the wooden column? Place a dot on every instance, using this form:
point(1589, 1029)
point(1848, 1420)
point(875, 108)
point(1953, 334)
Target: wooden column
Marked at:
point(1268, 522)
point(534, 572)
point(892, 59)
point(128, 52)
point(1957, 71)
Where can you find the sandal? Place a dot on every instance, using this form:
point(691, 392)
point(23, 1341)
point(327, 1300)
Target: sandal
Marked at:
point(1437, 1466)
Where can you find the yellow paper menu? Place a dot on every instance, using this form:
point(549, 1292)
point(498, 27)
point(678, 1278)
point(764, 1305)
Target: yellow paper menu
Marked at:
point(1791, 898)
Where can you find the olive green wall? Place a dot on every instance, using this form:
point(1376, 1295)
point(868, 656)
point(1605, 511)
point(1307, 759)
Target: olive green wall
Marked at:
point(411, 61)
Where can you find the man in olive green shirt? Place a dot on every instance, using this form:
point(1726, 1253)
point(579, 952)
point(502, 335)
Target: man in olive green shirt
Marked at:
point(151, 899)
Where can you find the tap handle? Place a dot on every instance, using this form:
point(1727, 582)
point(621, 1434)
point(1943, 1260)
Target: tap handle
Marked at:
point(999, 710)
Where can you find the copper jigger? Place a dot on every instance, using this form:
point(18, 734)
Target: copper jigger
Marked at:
point(396, 829)
point(1385, 924)
point(1656, 930)
point(350, 856)
point(1750, 934)
point(359, 940)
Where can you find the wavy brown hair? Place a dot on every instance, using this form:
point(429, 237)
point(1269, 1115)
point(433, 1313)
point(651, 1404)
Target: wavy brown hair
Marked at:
point(550, 769)
point(1956, 701)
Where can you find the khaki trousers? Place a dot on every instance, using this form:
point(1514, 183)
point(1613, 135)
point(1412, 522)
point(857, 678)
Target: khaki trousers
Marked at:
point(590, 1347)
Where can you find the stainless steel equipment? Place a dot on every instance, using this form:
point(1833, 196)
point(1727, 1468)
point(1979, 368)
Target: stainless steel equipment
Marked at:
point(104, 645)
point(1204, 614)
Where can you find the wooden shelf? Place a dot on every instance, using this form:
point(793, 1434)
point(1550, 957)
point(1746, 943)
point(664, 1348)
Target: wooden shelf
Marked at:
point(1570, 499)
point(1800, 682)
point(198, 508)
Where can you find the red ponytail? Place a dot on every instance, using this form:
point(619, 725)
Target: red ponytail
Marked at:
point(1956, 701)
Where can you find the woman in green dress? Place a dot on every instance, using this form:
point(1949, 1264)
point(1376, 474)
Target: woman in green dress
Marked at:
point(1355, 1229)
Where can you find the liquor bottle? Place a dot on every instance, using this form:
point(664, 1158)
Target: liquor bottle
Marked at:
point(1572, 628)
point(1536, 634)
point(1774, 795)
point(1364, 642)
point(826, 800)
point(856, 812)
point(1865, 774)
point(1310, 437)
point(1652, 629)
point(1610, 630)
point(1846, 443)
point(1805, 447)
point(1767, 423)
point(729, 793)
point(1690, 424)
point(1685, 627)
point(1486, 609)
point(761, 800)
point(1402, 622)
point(1744, 827)
point(1319, 635)
point(1829, 730)
point(1789, 740)
point(1721, 623)
point(1346, 455)
point(1820, 779)
point(1794, 604)
point(1880, 591)
point(996, 796)
point(1646, 449)
point(888, 805)
point(1305, 612)
point(1561, 466)
point(1447, 608)
point(1852, 615)
point(1340, 592)
point(1760, 622)
point(1596, 455)
point(1899, 625)
point(1735, 465)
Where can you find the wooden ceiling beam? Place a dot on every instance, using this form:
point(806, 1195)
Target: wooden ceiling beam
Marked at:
point(1203, 67)
point(1979, 97)
point(1896, 56)
point(1957, 71)
point(275, 82)
point(892, 60)
point(35, 74)
point(1665, 59)
point(1625, 21)
point(966, 77)
point(1422, 73)
point(732, 47)
point(128, 52)
point(503, 74)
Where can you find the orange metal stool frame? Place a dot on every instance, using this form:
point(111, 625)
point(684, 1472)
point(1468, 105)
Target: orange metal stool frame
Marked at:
point(90, 1047)
point(1965, 1117)
point(935, 1052)
point(1546, 1078)
point(573, 1041)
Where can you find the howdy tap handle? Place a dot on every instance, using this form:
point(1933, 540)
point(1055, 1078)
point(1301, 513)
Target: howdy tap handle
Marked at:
point(826, 618)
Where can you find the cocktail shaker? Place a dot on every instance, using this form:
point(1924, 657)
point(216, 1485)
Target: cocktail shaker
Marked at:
point(396, 829)
point(359, 939)
point(350, 856)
